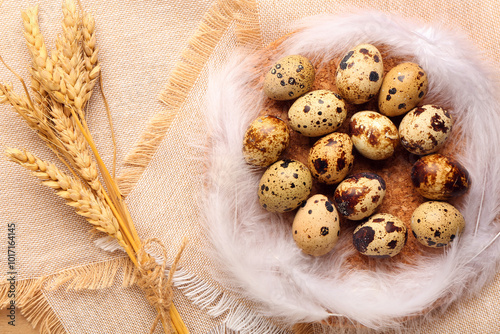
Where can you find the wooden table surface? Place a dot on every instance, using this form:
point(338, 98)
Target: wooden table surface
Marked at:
point(22, 325)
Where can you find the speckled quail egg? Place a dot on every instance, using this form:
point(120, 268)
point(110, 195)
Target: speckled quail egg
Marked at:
point(382, 235)
point(317, 113)
point(265, 139)
point(439, 177)
point(289, 78)
point(284, 186)
point(359, 74)
point(436, 224)
point(330, 158)
point(373, 135)
point(404, 86)
point(359, 195)
point(316, 227)
point(425, 129)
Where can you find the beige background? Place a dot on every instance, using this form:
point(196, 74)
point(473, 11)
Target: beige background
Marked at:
point(141, 41)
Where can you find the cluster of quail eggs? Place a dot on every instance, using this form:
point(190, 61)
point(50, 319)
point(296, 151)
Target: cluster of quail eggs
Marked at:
point(286, 184)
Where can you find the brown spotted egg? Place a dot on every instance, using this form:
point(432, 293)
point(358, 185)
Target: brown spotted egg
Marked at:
point(331, 158)
point(284, 186)
point(439, 177)
point(404, 86)
point(382, 235)
point(359, 195)
point(317, 113)
point(436, 224)
point(425, 129)
point(289, 78)
point(359, 74)
point(316, 226)
point(265, 139)
point(373, 135)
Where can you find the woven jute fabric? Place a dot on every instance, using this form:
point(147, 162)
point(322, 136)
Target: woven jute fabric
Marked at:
point(148, 47)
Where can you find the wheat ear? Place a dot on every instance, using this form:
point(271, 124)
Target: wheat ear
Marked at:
point(75, 147)
point(70, 64)
point(77, 195)
point(43, 77)
point(90, 54)
point(34, 115)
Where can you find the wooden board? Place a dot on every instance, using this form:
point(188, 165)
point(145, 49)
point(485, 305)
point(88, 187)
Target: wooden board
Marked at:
point(22, 325)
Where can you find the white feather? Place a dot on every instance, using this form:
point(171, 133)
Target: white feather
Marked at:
point(108, 244)
point(253, 247)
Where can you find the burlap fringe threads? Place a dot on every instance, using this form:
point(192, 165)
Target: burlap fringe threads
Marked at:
point(150, 277)
point(33, 305)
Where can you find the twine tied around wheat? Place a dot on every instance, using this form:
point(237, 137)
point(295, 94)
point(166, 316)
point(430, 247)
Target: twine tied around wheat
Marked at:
point(151, 278)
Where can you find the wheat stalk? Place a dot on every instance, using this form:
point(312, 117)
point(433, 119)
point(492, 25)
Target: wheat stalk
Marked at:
point(75, 192)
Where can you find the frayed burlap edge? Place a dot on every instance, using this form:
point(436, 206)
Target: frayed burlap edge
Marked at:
point(184, 75)
point(33, 304)
point(248, 31)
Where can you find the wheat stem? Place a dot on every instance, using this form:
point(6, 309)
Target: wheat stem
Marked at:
point(110, 121)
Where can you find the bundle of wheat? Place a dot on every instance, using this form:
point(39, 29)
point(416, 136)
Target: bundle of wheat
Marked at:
point(61, 86)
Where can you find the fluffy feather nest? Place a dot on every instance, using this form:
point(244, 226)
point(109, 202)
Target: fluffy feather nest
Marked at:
point(253, 247)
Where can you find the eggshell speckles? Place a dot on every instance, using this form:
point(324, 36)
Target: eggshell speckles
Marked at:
point(284, 186)
point(436, 224)
point(289, 78)
point(317, 113)
point(359, 74)
point(440, 178)
point(425, 129)
point(265, 139)
point(359, 195)
point(383, 235)
point(404, 86)
point(331, 158)
point(316, 227)
point(373, 135)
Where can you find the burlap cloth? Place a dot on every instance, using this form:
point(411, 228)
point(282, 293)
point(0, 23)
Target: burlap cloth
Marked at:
point(148, 46)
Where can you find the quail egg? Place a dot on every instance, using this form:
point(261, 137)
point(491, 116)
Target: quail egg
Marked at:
point(373, 135)
point(317, 113)
point(439, 177)
point(359, 74)
point(289, 78)
point(265, 139)
point(425, 129)
point(436, 224)
point(284, 186)
point(316, 227)
point(382, 235)
point(404, 86)
point(331, 158)
point(359, 195)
